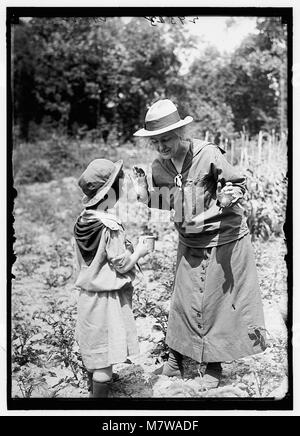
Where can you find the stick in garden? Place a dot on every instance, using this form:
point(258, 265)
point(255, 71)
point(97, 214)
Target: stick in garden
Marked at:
point(259, 147)
point(269, 149)
point(226, 144)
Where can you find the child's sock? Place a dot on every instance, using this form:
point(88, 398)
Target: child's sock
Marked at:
point(115, 377)
point(173, 367)
point(101, 382)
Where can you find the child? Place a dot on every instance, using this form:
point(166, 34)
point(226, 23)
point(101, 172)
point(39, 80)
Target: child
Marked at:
point(105, 328)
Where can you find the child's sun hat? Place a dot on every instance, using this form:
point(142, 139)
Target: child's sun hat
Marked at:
point(162, 117)
point(97, 179)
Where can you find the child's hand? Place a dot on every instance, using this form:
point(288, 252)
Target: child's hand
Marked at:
point(142, 247)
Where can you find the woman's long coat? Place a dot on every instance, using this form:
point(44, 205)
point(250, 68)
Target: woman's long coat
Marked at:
point(216, 309)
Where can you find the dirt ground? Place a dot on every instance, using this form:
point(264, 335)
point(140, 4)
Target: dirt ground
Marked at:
point(46, 359)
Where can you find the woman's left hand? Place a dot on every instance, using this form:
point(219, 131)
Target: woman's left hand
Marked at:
point(227, 195)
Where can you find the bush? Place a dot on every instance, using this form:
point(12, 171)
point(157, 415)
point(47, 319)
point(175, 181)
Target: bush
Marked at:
point(34, 171)
point(266, 204)
point(61, 153)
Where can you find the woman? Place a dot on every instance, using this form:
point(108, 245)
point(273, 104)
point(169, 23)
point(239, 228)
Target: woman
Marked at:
point(216, 311)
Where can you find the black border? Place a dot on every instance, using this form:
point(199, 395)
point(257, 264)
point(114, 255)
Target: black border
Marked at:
point(12, 16)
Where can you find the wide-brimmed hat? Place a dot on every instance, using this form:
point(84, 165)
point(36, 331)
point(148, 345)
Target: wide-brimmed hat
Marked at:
point(97, 180)
point(162, 117)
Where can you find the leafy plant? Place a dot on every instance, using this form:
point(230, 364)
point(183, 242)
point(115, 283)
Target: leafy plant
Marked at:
point(30, 379)
point(34, 171)
point(23, 338)
point(61, 318)
point(265, 204)
point(45, 357)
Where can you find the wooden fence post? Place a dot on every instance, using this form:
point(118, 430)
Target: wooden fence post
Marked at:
point(232, 152)
point(259, 147)
point(242, 156)
point(242, 146)
point(269, 149)
point(274, 145)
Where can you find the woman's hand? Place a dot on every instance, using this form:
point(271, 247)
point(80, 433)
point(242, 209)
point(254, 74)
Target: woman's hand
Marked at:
point(227, 195)
point(138, 172)
point(140, 184)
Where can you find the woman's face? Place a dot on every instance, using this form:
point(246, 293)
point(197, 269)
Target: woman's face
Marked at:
point(167, 144)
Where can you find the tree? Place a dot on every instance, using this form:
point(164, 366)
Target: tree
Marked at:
point(24, 103)
point(256, 86)
point(100, 74)
point(206, 100)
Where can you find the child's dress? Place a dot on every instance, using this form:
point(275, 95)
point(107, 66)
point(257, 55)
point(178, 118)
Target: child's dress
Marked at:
point(105, 329)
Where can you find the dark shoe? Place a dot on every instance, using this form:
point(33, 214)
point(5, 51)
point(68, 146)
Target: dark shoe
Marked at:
point(212, 375)
point(90, 382)
point(115, 377)
point(170, 372)
point(100, 389)
point(173, 367)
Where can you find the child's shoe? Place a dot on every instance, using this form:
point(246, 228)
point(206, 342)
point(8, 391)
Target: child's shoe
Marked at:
point(99, 382)
point(100, 389)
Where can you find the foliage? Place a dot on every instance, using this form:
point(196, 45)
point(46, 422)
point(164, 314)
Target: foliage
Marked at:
point(207, 81)
point(34, 171)
point(95, 75)
point(265, 204)
point(91, 78)
point(43, 348)
point(25, 105)
point(256, 81)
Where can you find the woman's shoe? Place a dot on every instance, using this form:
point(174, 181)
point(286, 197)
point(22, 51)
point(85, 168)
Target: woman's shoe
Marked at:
point(173, 367)
point(115, 377)
point(212, 375)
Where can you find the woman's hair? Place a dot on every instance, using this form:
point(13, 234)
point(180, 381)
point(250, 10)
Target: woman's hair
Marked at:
point(182, 133)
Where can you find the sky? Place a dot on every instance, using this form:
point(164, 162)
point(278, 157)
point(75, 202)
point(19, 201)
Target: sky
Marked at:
point(215, 31)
